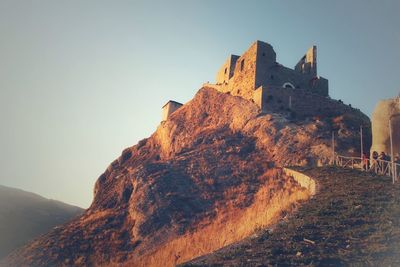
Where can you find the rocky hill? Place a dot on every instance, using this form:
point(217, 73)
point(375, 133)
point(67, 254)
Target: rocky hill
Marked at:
point(209, 176)
point(25, 216)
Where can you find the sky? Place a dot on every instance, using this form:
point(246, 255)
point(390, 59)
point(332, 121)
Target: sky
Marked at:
point(82, 80)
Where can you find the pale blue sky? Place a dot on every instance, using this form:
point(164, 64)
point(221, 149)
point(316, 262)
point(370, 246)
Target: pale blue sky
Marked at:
point(82, 80)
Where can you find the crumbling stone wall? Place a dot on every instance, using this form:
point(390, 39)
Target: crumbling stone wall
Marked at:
point(308, 63)
point(299, 103)
point(258, 67)
point(227, 70)
point(243, 80)
point(277, 75)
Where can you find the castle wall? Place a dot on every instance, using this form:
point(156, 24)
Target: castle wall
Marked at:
point(258, 67)
point(308, 63)
point(243, 81)
point(299, 102)
point(227, 70)
point(260, 98)
point(266, 63)
point(277, 75)
point(320, 86)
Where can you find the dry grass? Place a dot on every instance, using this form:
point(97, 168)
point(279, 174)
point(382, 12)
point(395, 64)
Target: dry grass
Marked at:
point(232, 222)
point(353, 220)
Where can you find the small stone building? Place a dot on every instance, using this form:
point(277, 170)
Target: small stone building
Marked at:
point(169, 108)
point(257, 76)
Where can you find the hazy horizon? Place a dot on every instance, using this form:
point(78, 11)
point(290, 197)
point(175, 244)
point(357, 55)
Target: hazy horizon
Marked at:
point(82, 80)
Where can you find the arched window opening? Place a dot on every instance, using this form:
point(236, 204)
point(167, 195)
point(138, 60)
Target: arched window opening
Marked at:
point(288, 85)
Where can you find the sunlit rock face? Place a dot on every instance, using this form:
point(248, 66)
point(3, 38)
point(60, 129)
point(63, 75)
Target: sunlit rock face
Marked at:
point(385, 111)
point(209, 176)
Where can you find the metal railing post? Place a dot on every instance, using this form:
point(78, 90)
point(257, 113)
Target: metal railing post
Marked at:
point(391, 147)
point(378, 166)
point(333, 146)
point(362, 143)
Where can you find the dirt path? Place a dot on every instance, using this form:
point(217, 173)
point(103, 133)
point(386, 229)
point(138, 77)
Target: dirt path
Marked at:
point(354, 219)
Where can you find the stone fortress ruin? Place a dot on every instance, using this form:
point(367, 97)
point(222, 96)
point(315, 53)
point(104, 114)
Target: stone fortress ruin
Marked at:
point(258, 77)
point(257, 73)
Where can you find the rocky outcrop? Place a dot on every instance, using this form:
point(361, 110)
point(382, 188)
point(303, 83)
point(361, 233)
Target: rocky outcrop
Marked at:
point(384, 111)
point(209, 176)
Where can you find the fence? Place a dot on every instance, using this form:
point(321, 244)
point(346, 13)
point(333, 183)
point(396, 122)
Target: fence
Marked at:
point(382, 167)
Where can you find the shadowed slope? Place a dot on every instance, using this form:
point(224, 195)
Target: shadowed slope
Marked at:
point(24, 216)
point(354, 219)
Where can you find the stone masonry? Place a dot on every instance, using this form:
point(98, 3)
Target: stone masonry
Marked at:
point(169, 108)
point(257, 76)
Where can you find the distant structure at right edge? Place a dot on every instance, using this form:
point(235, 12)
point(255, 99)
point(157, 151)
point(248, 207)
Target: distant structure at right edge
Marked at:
point(386, 122)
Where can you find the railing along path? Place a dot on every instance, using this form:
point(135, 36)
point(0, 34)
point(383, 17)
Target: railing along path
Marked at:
point(378, 166)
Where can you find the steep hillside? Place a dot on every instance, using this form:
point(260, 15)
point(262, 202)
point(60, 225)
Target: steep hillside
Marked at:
point(24, 216)
point(208, 176)
point(353, 220)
